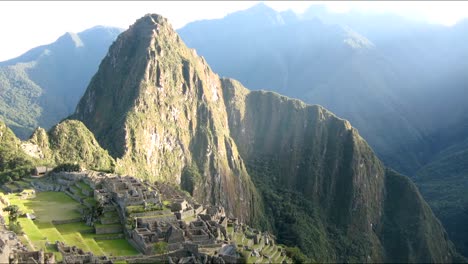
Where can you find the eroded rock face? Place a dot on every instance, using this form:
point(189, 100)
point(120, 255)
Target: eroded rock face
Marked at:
point(164, 115)
point(158, 108)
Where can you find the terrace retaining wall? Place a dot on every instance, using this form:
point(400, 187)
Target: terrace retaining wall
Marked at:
point(68, 221)
point(108, 229)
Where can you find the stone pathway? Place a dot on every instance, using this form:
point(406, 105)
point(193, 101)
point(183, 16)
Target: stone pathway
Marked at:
point(30, 244)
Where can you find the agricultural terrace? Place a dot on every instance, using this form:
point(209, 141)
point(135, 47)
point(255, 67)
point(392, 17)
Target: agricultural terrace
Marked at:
point(53, 206)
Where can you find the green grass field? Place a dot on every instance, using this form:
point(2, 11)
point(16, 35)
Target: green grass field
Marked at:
point(48, 206)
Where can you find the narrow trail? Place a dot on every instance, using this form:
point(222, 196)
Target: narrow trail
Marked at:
point(30, 244)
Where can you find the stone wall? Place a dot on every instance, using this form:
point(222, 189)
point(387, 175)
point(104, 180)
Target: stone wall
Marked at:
point(140, 245)
point(109, 221)
point(109, 237)
point(199, 210)
point(61, 222)
point(187, 213)
point(174, 246)
point(75, 197)
point(89, 193)
point(151, 213)
point(166, 218)
point(108, 229)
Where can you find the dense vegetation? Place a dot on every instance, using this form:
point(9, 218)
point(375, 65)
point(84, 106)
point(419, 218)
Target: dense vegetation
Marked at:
point(328, 190)
point(19, 106)
point(14, 163)
point(69, 146)
point(294, 219)
point(190, 178)
point(71, 141)
point(68, 167)
point(443, 182)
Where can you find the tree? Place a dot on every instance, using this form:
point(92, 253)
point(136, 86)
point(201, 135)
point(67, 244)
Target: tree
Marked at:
point(92, 214)
point(13, 213)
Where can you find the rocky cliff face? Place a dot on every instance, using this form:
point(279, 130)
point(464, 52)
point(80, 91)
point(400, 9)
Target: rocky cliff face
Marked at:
point(159, 109)
point(164, 115)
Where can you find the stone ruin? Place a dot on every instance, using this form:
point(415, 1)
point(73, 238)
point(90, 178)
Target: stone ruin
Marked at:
point(72, 254)
point(32, 257)
point(183, 226)
point(126, 191)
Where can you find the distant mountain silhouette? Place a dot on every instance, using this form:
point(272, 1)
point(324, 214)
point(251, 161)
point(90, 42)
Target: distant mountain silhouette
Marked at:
point(42, 86)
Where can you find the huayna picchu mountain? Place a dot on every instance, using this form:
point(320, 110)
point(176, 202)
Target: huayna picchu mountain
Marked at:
point(271, 161)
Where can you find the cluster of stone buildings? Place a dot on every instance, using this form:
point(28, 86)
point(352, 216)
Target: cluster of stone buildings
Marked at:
point(72, 254)
point(177, 226)
point(171, 227)
point(33, 257)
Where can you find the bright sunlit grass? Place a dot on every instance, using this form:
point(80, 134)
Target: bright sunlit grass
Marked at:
point(48, 206)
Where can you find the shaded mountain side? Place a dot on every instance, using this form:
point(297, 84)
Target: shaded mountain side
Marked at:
point(443, 183)
point(19, 108)
point(433, 59)
point(339, 202)
point(159, 110)
point(164, 115)
point(42, 86)
point(409, 226)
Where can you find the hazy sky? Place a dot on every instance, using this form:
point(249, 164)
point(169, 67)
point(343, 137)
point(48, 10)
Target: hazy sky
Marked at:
point(25, 25)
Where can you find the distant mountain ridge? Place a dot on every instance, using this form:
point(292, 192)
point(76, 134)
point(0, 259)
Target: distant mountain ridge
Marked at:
point(42, 86)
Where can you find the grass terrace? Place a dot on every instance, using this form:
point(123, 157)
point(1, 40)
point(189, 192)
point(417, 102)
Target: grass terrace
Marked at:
point(48, 206)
